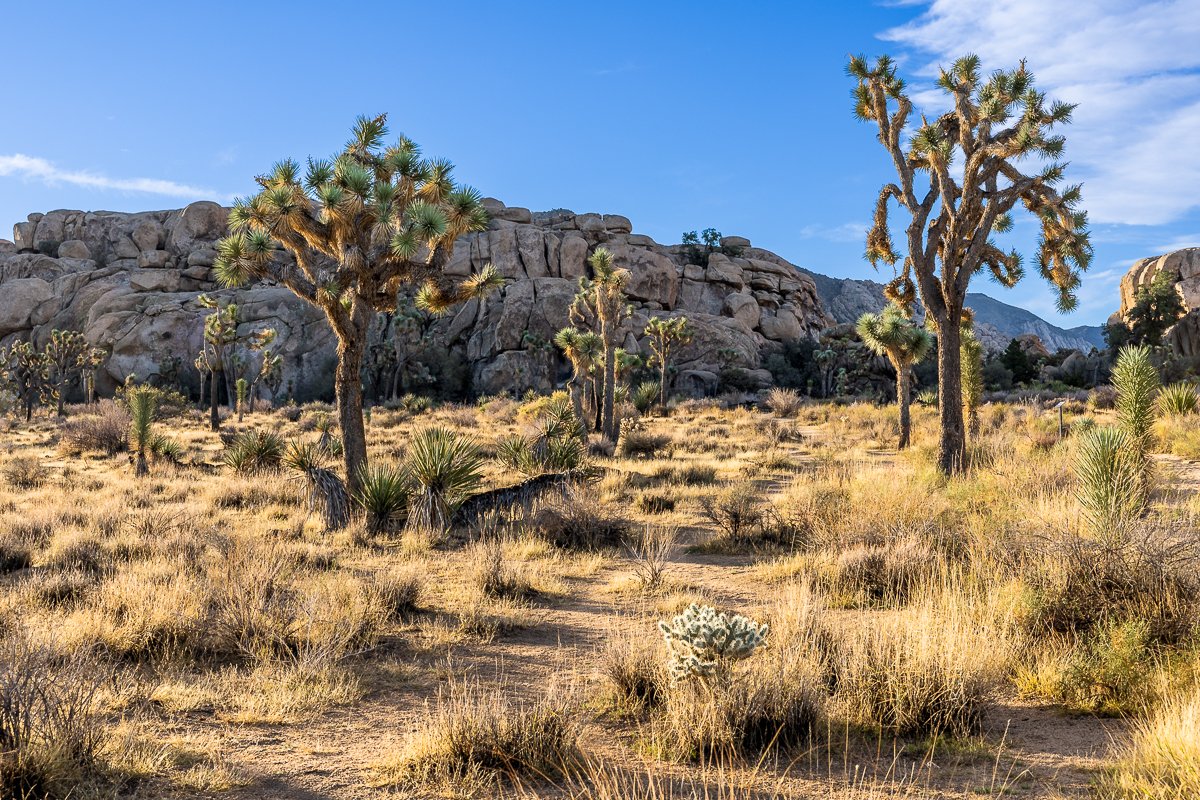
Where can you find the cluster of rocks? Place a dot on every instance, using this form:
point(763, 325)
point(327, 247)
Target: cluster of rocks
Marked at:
point(1183, 267)
point(130, 282)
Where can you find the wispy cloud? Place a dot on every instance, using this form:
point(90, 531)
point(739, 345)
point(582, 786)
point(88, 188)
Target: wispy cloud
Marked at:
point(31, 168)
point(1134, 69)
point(846, 232)
point(616, 69)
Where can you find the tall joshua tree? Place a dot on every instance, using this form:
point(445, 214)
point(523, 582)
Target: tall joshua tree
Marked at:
point(890, 333)
point(958, 181)
point(600, 304)
point(358, 227)
point(580, 348)
point(67, 354)
point(665, 333)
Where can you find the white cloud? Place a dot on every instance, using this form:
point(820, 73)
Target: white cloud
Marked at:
point(846, 232)
point(39, 169)
point(1133, 68)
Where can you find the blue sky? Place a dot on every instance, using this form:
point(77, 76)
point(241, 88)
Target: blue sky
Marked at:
point(678, 115)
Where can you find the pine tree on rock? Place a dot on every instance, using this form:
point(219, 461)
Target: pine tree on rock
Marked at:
point(358, 227)
point(958, 181)
point(890, 333)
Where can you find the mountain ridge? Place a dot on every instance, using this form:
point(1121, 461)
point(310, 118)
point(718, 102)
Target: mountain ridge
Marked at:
point(846, 299)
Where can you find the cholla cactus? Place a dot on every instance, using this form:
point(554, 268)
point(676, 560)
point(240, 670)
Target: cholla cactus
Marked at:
point(704, 642)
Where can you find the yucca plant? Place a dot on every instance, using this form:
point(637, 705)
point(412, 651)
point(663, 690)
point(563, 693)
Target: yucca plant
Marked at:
point(446, 467)
point(382, 494)
point(1178, 399)
point(163, 448)
point(644, 396)
point(325, 489)
point(254, 451)
point(1137, 384)
point(1111, 482)
point(142, 402)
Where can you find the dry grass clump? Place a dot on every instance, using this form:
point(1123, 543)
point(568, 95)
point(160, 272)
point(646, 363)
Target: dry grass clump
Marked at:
point(496, 576)
point(579, 521)
point(784, 402)
point(102, 431)
point(740, 515)
point(475, 741)
point(1161, 758)
point(50, 730)
point(399, 591)
point(24, 472)
point(633, 667)
point(931, 669)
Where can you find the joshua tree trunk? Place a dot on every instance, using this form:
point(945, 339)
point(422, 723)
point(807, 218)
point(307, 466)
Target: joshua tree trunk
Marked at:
point(607, 423)
point(28, 410)
point(952, 448)
point(348, 385)
point(577, 406)
point(202, 382)
point(214, 413)
point(903, 399)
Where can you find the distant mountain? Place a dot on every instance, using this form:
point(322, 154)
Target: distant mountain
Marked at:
point(846, 299)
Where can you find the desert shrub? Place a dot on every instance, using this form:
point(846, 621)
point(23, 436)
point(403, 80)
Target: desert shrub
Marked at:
point(551, 449)
point(382, 494)
point(494, 575)
point(1177, 399)
point(24, 472)
point(650, 553)
point(1077, 584)
point(645, 396)
point(687, 475)
point(784, 402)
point(635, 441)
point(100, 432)
point(61, 589)
point(1102, 398)
point(738, 513)
point(577, 521)
point(50, 730)
point(929, 671)
point(15, 553)
point(446, 468)
point(633, 668)
point(254, 451)
point(654, 503)
point(1110, 670)
point(291, 412)
point(477, 738)
point(884, 573)
point(1160, 759)
point(399, 590)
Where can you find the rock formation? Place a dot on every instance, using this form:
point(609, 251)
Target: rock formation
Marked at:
point(1184, 268)
point(130, 282)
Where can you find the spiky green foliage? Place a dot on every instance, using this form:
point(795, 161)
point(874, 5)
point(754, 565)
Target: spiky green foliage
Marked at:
point(583, 349)
point(142, 402)
point(971, 351)
point(600, 305)
point(446, 467)
point(1110, 474)
point(382, 495)
point(959, 178)
point(703, 642)
point(164, 448)
point(892, 334)
point(254, 452)
point(1178, 399)
point(665, 334)
point(358, 226)
point(645, 395)
point(67, 354)
point(1137, 383)
point(326, 492)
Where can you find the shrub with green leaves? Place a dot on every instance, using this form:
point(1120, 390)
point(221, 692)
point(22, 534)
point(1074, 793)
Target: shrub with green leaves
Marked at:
point(554, 445)
point(254, 451)
point(1137, 384)
point(1178, 399)
point(703, 642)
point(382, 494)
point(645, 396)
point(1111, 486)
point(446, 467)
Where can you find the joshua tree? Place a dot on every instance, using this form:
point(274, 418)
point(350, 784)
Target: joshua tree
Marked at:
point(142, 402)
point(665, 333)
point(202, 367)
point(890, 333)
point(958, 181)
point(220, 334)
point(26, 373)
point(67, 354)
point(358, 228)
point(95, 359)
point(581, 349)
point(600, 304)
point(243, 389)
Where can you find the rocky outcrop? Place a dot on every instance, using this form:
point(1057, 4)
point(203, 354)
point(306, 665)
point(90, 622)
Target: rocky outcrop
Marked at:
point(130, 282)
point(1183, 267)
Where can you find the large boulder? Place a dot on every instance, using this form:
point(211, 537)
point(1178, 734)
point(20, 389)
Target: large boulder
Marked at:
point(1183, 269)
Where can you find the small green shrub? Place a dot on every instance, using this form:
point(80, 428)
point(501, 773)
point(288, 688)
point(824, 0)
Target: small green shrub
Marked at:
point(382, 494)
point(255, 451)
point(1177, 399)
